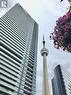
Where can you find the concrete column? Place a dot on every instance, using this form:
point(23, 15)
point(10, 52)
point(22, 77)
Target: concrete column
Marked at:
point(45, 90)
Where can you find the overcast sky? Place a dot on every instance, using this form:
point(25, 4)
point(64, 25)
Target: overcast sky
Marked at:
point(45, 13)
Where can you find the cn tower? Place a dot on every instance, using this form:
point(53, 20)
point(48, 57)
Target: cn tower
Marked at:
point(45, 84)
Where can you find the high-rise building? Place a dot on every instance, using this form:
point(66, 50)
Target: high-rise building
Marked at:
point(61, 83)
point(18, 52)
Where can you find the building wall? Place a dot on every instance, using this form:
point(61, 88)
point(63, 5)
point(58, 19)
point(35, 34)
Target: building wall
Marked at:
point(67, 80)
point(54, 87)
point(18, 52)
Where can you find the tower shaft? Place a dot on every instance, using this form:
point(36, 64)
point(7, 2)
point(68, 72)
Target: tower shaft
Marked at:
point(45, 84)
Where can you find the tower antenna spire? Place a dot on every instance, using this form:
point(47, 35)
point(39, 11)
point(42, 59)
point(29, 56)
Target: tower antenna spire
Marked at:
point(43, 41)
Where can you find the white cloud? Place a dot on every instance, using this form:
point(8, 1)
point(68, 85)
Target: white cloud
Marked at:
point(55, 6)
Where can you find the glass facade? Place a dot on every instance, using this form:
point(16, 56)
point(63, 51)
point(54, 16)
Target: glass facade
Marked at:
point(18, 53)
point(61, 83)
